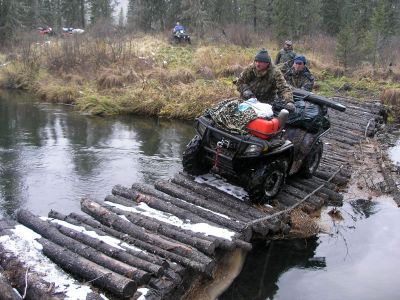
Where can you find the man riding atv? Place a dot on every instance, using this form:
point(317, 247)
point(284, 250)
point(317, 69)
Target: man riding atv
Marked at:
point(179, 35)
point(264, 81)
point(248, 142)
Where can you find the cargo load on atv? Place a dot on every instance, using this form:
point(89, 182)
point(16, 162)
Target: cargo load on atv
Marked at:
point(258, 153)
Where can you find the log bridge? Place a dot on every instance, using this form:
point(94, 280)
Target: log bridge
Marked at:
point(154, 242)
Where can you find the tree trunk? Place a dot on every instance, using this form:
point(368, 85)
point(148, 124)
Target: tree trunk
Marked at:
point(111, 251)
point(184, 236)
point(242, 208)
point(86, 269)
point(183, 254)
point(6, 290)
point(50, 232)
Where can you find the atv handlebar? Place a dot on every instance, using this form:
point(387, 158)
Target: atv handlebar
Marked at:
point(311, 97)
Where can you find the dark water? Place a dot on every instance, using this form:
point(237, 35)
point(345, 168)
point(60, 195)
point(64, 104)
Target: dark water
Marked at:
point(360, 260)
point(51, 156)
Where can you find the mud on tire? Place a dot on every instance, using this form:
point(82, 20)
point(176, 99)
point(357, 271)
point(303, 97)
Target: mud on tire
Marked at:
point(311, 162)
point(192, 159)
point(266, 181)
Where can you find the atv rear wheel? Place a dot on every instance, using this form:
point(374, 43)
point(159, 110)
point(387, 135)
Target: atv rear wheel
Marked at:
point(266, 182)
point(192, 159)
point(311, 162)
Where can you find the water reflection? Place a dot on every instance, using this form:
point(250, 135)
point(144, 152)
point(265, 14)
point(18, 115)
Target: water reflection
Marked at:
point(51, 156)
point(359, 260)
point(265, 264)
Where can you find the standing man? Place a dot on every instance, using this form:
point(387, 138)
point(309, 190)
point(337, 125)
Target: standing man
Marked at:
point(263, 81)
point(285, 56)
point(299, 76)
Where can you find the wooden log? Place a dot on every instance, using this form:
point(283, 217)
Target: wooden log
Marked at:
point(298, 191)
point(50, 232)
point(338, 179)
point(334, 198)
point(179, 248)
point(138, 254)
point(182, 209)
point(111, 251)
point(177, 252)
point(336, 146)
point(91, 224)
point(162, 205)
point(162, 285)
point(6, 290)
point(243, 208)
point(221, 202)
point(120, 200)
point(168, 230)
point(186, 195)
point(86, 269)
point(16, 271)
point(204, 243)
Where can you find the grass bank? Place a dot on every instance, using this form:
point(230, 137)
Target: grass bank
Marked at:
point(147, 75)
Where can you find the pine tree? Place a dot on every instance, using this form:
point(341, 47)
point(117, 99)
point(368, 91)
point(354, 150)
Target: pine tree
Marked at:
point(100, 10)
point(121, 19)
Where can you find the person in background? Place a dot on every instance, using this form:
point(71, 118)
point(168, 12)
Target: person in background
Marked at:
point(264, 81)
point(299, 76)
point(285, 56)
point(178, 27)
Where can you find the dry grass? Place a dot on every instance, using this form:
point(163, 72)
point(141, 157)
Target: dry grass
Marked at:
point(108, 79)
point(165, 77)
point(147, 75)
point(302, 224)
point(391, 97)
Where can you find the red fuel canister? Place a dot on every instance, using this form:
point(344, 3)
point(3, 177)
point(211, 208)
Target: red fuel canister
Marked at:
point(263, 128)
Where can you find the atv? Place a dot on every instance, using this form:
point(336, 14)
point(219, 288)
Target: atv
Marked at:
point(261, 160)
point(180, 37)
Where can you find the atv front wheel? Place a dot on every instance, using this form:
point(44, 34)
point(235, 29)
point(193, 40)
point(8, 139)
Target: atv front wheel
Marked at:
point(192, 159)
point(266, 182)
point(311, 162)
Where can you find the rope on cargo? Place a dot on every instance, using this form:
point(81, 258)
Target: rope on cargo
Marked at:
point(260, 220)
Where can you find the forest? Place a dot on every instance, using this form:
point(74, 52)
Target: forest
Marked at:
point(365, 30)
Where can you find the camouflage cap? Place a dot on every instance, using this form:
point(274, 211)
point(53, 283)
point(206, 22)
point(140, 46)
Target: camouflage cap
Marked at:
point(289, 43)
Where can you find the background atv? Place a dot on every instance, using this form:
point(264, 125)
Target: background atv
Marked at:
point(261, 160)
point(180, 37)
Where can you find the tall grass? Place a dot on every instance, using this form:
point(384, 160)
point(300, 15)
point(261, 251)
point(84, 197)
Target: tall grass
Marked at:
point(106, 73)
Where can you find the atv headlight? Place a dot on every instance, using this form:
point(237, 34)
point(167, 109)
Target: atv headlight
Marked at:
point(201, 128)
point(253, 150)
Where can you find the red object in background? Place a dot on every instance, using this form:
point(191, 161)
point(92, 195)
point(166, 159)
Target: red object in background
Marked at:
point(263, 128)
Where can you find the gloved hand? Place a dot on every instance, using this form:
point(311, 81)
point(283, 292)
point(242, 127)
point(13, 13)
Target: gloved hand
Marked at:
point(247, 94)
point(290, 107)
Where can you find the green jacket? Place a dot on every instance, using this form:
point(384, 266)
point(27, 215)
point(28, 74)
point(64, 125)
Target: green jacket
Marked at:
point(302, 80)
point(284, 56)
point(265, 86)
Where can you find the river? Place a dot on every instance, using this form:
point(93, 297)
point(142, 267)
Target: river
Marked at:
point(51, 156)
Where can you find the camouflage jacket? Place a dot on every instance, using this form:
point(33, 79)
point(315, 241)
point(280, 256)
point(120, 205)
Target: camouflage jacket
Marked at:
point(302, 80)
point(226, 115)
point(284, 56)
point(265, 86)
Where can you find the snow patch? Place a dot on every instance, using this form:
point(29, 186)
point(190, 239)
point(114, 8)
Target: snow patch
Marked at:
point(24, 245)
point(143, 292)
point(144, 209)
